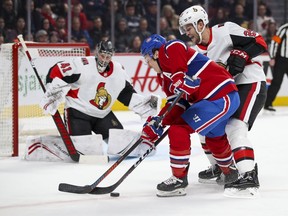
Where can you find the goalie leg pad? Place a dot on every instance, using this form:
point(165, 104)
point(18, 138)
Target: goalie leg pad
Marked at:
point(52, 148)
point(120, 140)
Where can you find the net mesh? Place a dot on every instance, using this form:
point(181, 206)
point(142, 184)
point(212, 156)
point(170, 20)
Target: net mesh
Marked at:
point(29, 115)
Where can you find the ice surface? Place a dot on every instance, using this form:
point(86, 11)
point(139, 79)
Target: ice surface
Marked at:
point(30, 188)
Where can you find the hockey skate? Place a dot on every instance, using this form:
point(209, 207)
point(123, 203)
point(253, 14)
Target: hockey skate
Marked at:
point(210, 175)
point(246, 186)
point(231, 176)
point(172, 187)
point(269, 108)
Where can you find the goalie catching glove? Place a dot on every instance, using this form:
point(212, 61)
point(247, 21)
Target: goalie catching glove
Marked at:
point(145, 105)
point(152, 129)
point(54, 95)
point(237, 61)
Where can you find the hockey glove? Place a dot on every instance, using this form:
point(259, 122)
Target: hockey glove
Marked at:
point(145, 106)
point(237, 61)
point(144, 146)
point(54, 95)
point(182, 82)
point(152, 129)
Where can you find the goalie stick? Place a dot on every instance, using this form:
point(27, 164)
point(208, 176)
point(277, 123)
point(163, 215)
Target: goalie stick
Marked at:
point(64, 187)
point(56, 117)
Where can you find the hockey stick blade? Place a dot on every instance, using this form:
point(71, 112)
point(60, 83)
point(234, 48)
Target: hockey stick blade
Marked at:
point(64, 187)
point(109, 189)
point(74, 188)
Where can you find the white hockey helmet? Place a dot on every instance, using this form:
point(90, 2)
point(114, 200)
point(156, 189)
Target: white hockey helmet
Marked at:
point(191, 16)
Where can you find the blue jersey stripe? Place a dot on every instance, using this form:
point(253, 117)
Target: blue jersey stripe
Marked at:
point(196, 64)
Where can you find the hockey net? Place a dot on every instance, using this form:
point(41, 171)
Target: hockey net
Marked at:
point(20, 91)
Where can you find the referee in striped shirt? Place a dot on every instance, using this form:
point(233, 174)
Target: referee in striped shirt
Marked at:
point(279, 59)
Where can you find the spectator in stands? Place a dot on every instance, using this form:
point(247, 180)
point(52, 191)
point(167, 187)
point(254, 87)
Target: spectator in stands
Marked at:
point(165, 29)
point(54, 37)
point(139, 7)
point(133, 21)
point(143, 29)
point(46, 25)
point(97, 30)
point(135, 46)
point(77, 12)
point(47, 13)
point(220, 17)
point(61, 28)
point(239, 17)
point(172, 18)
point(11, 34)
point(79, 33)
point(122, 35)
point(151, 16)
point(41, 36)
point(105, 36)
point(36, 17)
point(271, 31)
point(8, 14)
point(107, 16)
point(95, 8)
point(171, 37)
point(248, 7)
point(263, 20)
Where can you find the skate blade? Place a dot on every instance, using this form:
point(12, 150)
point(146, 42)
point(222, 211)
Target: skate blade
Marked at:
point(249, 193)
point(177, 192)
point(207, 181)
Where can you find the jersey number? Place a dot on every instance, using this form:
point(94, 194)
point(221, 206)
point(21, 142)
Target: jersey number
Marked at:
point(249, 33)
point(65, 67)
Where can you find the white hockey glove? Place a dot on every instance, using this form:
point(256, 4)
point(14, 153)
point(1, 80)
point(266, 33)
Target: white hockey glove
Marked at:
point(145, 105)
point(143, 147)
point(54, 95)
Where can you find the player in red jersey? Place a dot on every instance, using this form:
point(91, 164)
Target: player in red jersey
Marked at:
point(210, 99)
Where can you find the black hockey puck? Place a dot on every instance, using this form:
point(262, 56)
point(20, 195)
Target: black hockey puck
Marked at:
point(114, 194)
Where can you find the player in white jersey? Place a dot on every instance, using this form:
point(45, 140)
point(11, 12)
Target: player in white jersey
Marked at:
point(90, 86)
point(235, 48)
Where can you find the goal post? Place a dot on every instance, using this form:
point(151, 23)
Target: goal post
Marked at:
point(20, 92)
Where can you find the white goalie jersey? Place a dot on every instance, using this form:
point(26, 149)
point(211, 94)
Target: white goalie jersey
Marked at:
point(93, 93)
point(85, 89)
point(228, 36)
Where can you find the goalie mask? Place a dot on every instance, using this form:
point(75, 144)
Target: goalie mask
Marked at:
point(104, 53)
point(193, 15)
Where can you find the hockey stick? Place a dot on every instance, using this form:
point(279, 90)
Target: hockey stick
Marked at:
point(56, 117)
point(109, 189)
point(64, 187)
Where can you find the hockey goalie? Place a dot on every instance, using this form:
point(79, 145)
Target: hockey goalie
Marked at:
point(89, 86)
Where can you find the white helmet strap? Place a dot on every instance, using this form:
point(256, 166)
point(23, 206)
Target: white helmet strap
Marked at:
point(200, 33)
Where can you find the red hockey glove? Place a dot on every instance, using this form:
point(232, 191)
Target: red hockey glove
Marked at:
point(182, 82)
point(151, 130)
point(237, 61)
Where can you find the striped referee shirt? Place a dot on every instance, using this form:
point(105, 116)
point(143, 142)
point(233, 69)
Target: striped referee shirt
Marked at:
point(279, 43)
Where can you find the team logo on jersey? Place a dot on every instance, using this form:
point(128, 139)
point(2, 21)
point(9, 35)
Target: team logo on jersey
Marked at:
point(102, 98)
point(196, 118)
